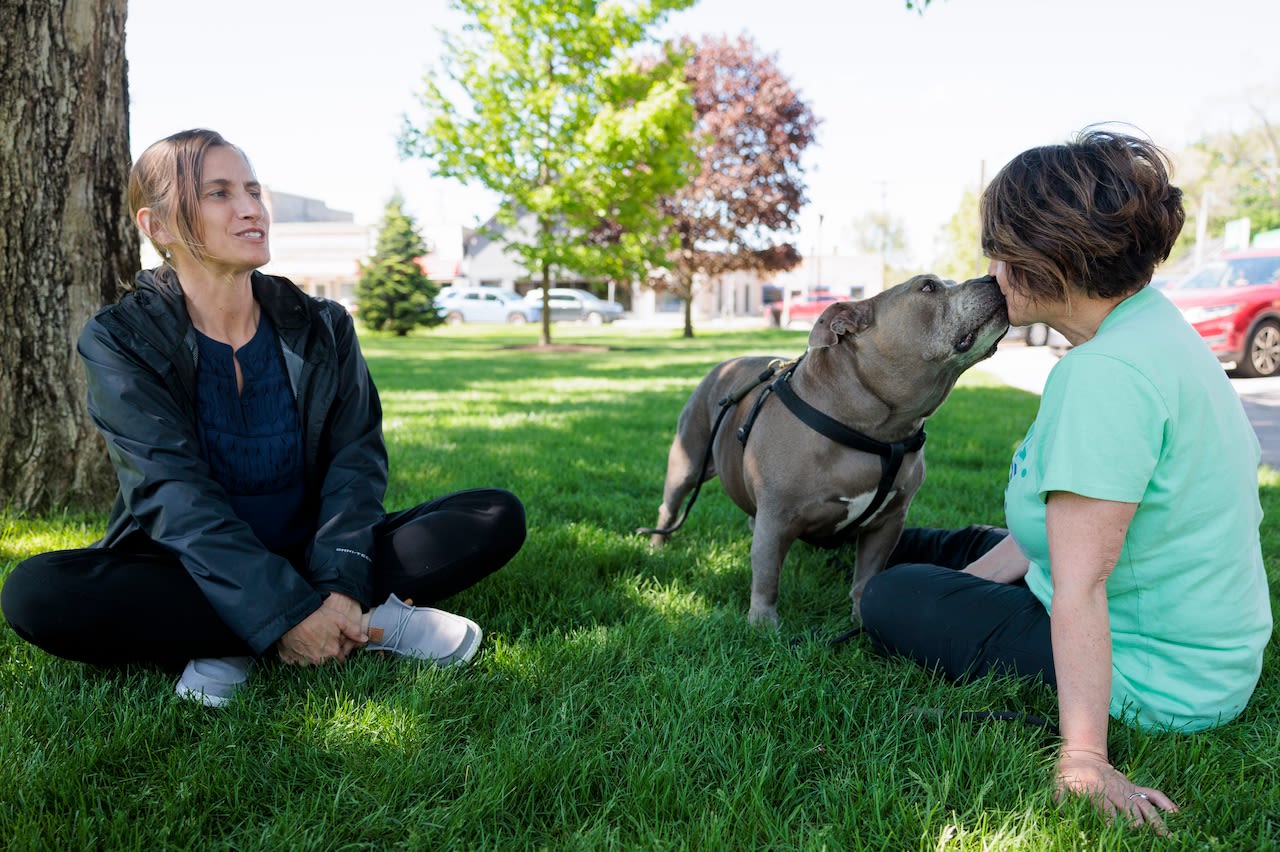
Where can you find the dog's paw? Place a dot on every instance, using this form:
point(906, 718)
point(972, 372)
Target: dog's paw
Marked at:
point(763, 617)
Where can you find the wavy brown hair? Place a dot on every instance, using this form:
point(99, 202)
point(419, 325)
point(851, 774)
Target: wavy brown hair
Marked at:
point(1095, 215)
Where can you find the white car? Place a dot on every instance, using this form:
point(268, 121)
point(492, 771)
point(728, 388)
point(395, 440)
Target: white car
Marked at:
point(485, 304)
point(570, 303)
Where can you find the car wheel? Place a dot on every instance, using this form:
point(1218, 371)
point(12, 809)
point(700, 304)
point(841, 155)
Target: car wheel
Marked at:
point(595, 318)
point(1037, 334)
point(453, 318)
point(517, 318)
point(1261, 351)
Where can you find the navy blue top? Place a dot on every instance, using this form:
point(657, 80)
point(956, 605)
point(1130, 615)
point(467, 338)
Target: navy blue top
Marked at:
point(252, 439)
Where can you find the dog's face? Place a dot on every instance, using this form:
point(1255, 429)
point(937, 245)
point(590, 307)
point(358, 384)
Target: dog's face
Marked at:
point(913, 341)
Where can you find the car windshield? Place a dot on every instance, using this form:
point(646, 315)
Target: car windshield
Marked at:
point(1235, 272)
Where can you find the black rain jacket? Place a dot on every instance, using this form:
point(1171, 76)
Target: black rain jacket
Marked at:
point(140, 356)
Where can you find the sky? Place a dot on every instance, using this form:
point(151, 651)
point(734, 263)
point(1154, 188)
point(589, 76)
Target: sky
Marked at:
point(915, 109)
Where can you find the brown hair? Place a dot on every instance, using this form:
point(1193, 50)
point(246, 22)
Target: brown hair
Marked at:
point(1096, 214)
point(166, 178)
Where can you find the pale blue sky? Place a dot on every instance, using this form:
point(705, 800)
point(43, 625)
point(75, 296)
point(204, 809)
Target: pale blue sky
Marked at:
point(914, 107)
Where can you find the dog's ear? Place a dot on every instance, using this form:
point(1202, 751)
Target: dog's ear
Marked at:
point(840, 319)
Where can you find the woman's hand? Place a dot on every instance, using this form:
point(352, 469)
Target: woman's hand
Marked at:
point(349, 609)
point(327, 634)
point(1086, 774)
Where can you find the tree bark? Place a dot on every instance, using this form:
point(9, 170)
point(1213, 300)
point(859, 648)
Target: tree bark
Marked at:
point(66, 243)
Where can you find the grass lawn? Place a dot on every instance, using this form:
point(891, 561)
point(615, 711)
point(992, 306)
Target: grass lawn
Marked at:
point(621, 700)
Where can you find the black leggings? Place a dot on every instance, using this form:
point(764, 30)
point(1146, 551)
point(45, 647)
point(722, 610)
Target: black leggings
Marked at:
point(926, 609)
point(138, 604)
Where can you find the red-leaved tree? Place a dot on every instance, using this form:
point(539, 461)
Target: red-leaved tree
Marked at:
point(739, 210)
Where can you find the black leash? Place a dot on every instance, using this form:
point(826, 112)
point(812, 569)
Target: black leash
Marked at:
point(726, 403)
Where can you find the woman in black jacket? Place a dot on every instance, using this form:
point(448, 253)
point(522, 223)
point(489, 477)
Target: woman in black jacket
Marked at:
point(246, 434)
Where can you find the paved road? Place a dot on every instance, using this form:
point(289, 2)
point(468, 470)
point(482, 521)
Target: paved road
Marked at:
point(1026, 367)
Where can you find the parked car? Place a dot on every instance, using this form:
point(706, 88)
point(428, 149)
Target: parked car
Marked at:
point(806, 309)
point(1234, 302)
point(570, 303)
point(485, 304)
point(1036, 334)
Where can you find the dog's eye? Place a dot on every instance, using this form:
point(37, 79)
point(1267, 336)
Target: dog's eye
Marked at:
point(928, 287)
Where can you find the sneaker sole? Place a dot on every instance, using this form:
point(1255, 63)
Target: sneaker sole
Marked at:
point(192, 694)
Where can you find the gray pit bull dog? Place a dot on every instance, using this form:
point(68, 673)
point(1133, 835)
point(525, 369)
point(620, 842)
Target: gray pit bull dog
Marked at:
point(880, 367)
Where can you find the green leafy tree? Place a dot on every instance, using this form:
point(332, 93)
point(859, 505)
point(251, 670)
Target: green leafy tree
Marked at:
point(880, 233)
point(393, 292)
point(555, 115)
point(737, 211)
point(961, 256)
point(1231, 175)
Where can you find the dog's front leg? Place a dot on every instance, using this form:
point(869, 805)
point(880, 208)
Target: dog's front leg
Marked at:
point(875, 546)
point(769, 546)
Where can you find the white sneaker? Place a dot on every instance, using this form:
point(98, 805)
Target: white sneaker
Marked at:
point(213, 681)
point(420, 631)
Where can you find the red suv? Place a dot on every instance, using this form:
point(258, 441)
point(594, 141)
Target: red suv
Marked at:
point(1234, 302)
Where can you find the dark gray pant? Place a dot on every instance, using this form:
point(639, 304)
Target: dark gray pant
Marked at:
point(138, 604)
point(926, 609)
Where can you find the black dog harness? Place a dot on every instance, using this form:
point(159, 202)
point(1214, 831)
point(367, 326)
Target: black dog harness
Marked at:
point(891, 453)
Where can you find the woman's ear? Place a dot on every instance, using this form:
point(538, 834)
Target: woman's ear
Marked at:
point(152, 229)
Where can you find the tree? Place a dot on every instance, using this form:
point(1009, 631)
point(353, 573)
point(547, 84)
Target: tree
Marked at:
point(752, 129)
point(1230, 175)
point(881, 234)
point(393, 292)
point(961, 240)
point(65, 238)
point(1250, 161)
point(565, 126)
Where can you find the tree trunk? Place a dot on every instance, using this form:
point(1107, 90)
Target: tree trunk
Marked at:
point(545, 339)
point(684, 278)
point(66, 243)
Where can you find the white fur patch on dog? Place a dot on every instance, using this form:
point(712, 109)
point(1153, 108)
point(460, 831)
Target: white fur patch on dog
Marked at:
point(858, 505)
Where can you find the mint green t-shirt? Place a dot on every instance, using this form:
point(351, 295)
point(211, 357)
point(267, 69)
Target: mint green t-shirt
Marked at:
point(1143, 413)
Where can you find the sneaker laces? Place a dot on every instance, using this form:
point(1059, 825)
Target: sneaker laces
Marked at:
point(391, 638)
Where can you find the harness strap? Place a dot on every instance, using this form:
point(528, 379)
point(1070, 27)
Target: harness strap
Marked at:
point(891, 453)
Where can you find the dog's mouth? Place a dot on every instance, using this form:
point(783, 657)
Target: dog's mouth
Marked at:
point(997, 320)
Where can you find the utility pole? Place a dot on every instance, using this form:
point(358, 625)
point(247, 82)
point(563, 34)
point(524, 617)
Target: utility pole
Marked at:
point(1202, 228)
point(817, 255)
point(982, 185)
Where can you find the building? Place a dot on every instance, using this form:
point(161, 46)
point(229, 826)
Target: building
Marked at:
point(488, 262)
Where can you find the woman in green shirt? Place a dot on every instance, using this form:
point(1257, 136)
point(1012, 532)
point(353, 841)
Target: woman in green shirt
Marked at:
point(1131, 575)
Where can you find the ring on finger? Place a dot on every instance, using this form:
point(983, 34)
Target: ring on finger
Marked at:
point(1136, 794)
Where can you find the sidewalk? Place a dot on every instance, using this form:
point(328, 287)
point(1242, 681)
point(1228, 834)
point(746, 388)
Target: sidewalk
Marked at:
point(1027, 367)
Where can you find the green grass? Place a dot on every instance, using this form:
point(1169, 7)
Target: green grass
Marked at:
point(621, 702)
